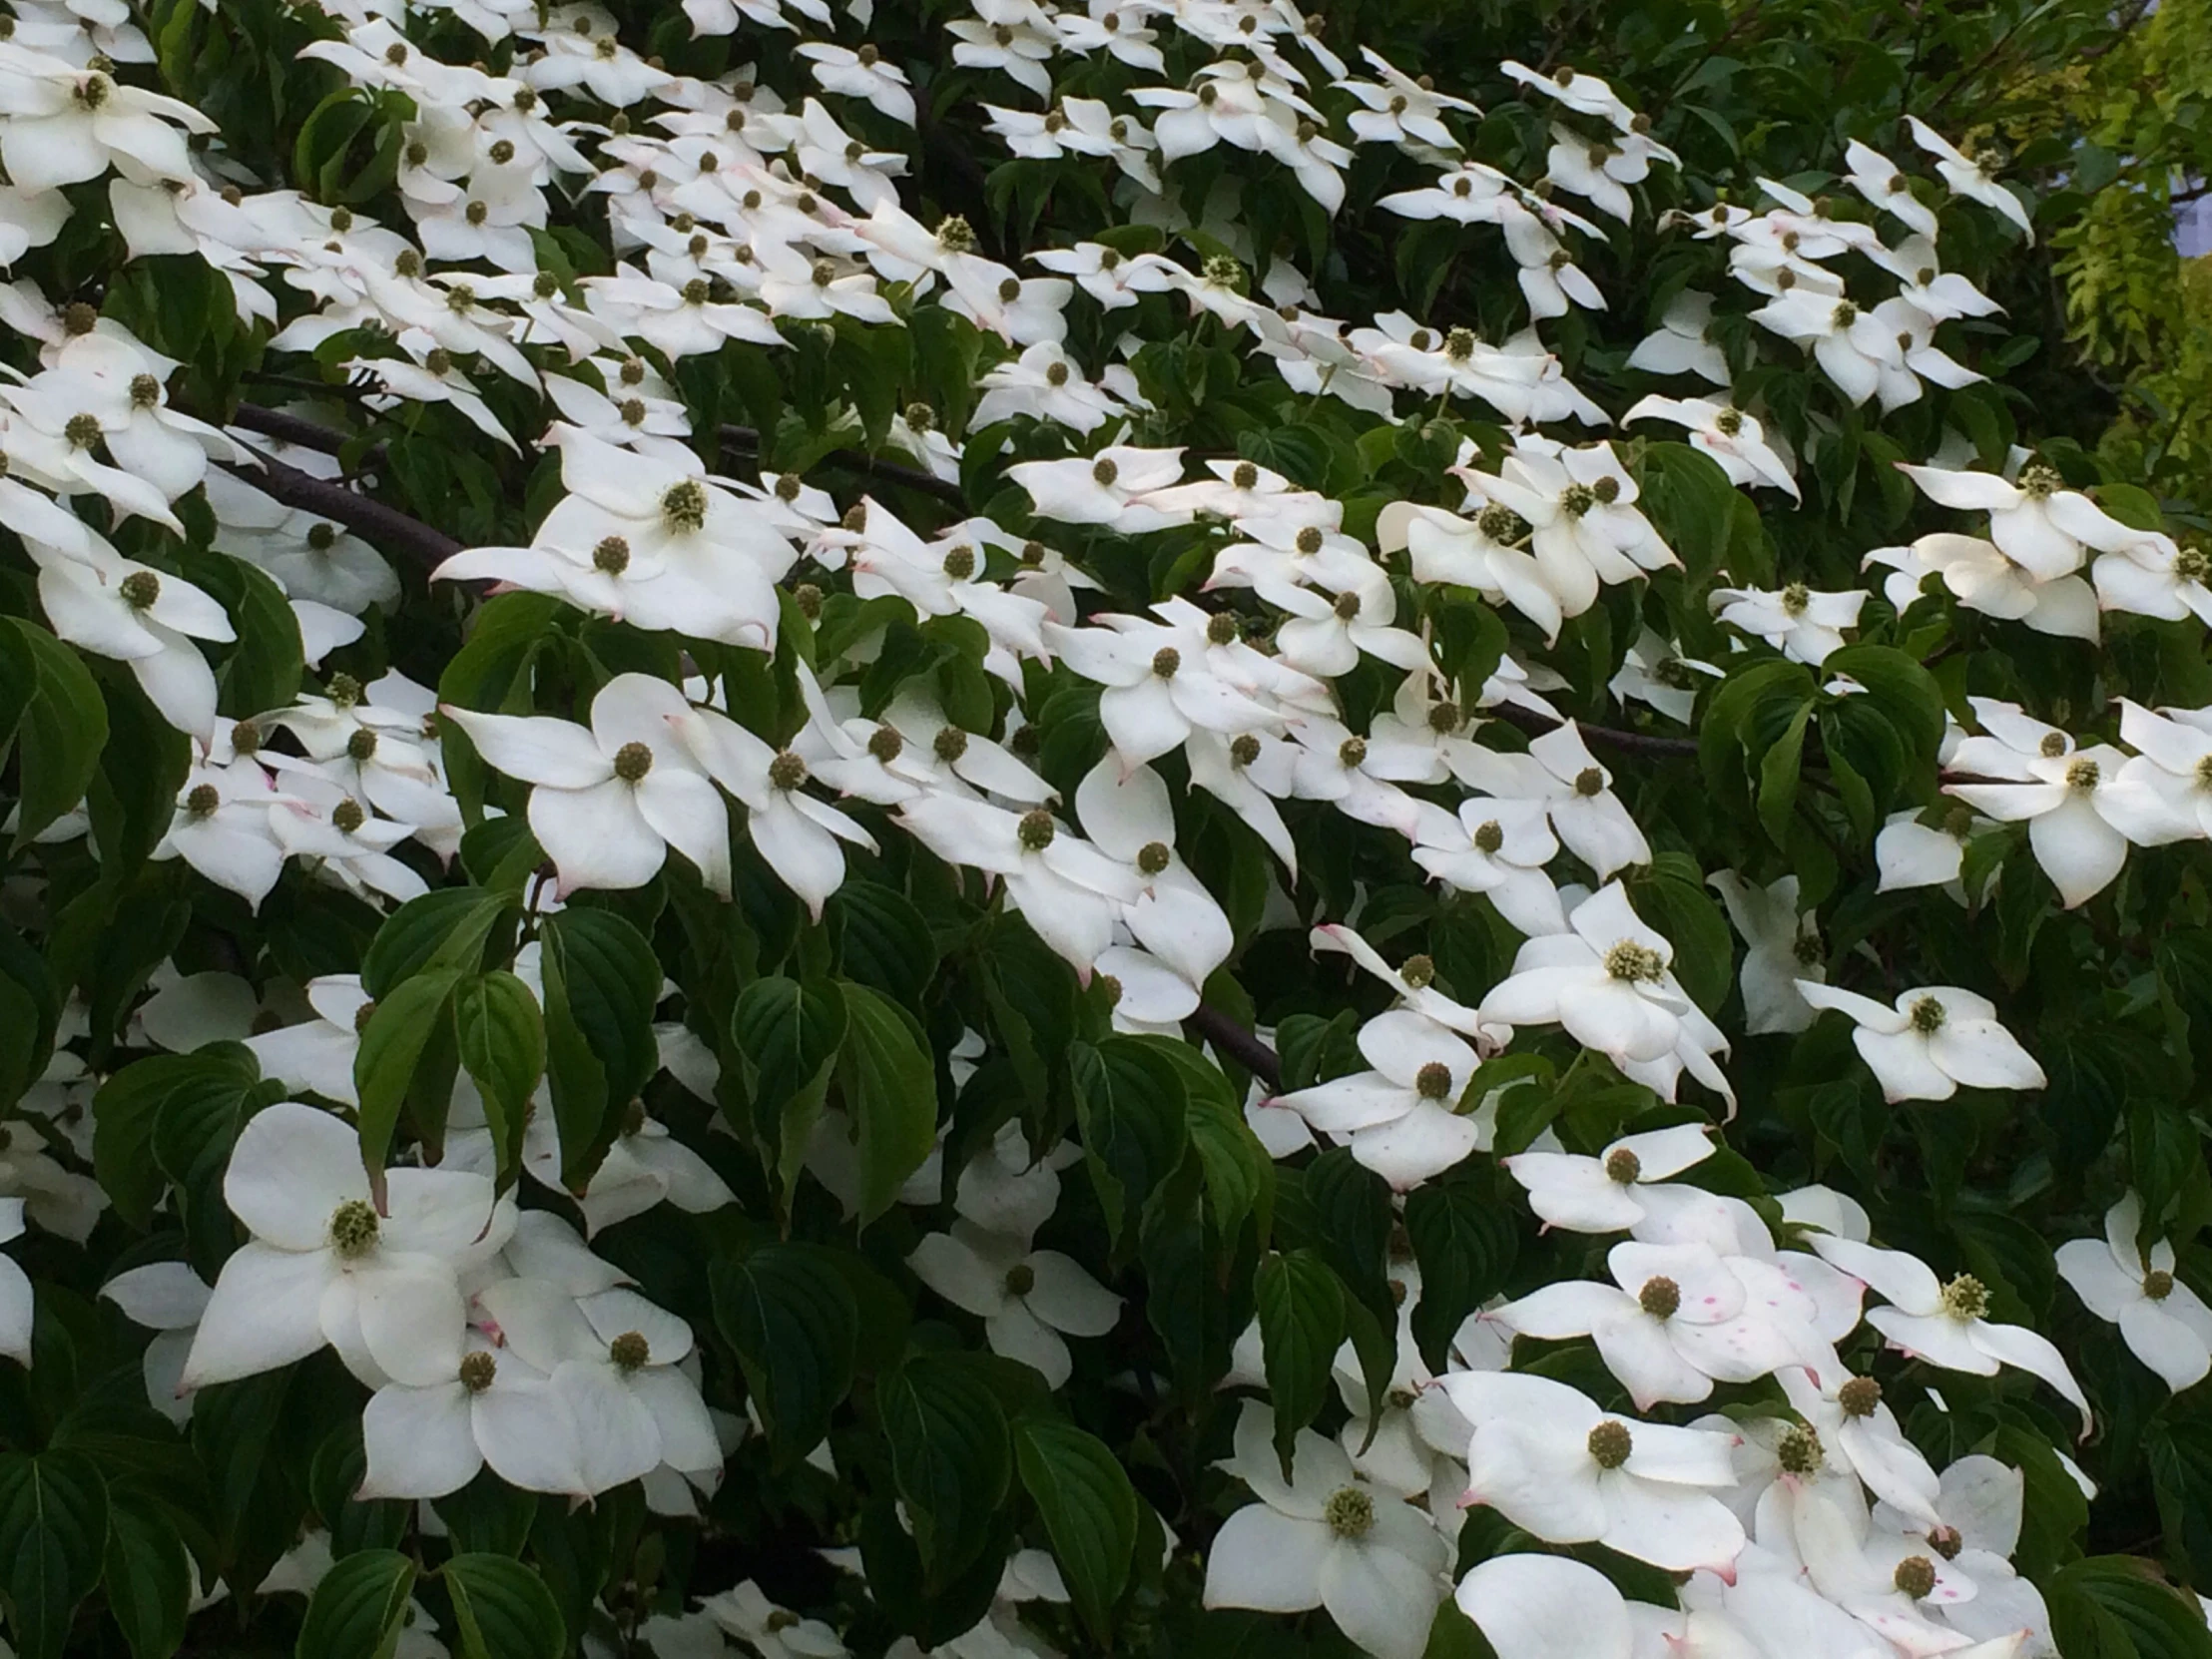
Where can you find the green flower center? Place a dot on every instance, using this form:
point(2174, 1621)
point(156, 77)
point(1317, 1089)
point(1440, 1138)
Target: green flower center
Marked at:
point(2083, 775)
point(140, 589)
point(1153, 858)
point(1799, 1451)
point(477, 1372)
point(1490, 836)
point(612, 556)
point(2192, 564)
point(1432, 1081)
point(1794, 598)
point(1165, 661)
point(1021, 1279)
point(1661, 1298)
point(1635, 964)
point(201, 800)
point(1967, 1298)
point(1590, 781)
point(2158, 1283)
point(1729, 422)
point(2052, 746)
point(1104, 471)
point(786, 772)
point(1036, 830)
point(353, 1228)
point(1244, 477)
point(1859, 1398)
point(886, 744)
point(1309, 540)
point(348, 817)
point(1928, 1015)
point(1244, 748)
point(1610, 1444)
point(1350, 1512)
point(1502, 524)
point(1221, 628)
point(1577, 499)
point(959, 564)
point(630, 1352)
point(631, 762)
point(684, 506)
point(82, 430)
point(1352, 754)
point(2039, 482)
point(1916, 1576)
point(1417, 971)
point(1623, 1166)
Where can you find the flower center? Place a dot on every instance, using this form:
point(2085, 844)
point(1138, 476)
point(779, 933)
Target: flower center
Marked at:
point(1036, 830)
point(612, 556)
point(438, 362)
point(1056, 374)
point(323, 537)
point(2158, 1283)
point(1350, 1512)
point(2052, 746)
point(82, 430)
point(140, 589)
point(1844, 315)
point(1607, 490)
point(353, 1229)
point(632, 410)
point(1661, 1298)
point(79, 319)
point(1459, 345)
point(1916, 1576)
point(1244, 748)
point(1110, 988)
point(1947, 1541)
point(1965, 1299)
point(786, 772)
point(1309, 540)
point(95, 92)
point(1502, 524)
point(1635, 964)
point(146, 391)
point(1577, 499)
point(1222, 629)
point(1610, 1444)
point(1021, 1279)
point(1623, 1166)
point(2082, 774)
point(955, 235)
point(1490, 836)
point(1794, 598)
point(2039, 482)
point(1928, 1015)
point(476, 213)
point(2192, 564)
point(1104, 471)
point(886, 744)
point(477, 1371)
point(1444, 717)
point(684, 506)
point(631, 762)
point(1590, 781)
point(348, 817)
point(1807, 949)
point(1860, 1397)
point(1351, 753)
point(1799, 1451)
point(632, 371)
point(1347, 606)
point(362, 1015)
point(1153, 858)
point(1417, 971)
point(1729, 422)
point(630, 1352)
point(959, 564)
point(201, 800)
point(245, 738)
point(1432, 1081)
point(1165, 661)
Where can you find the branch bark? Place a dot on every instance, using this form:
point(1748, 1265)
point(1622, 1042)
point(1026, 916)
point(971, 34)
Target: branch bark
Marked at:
point(367, 517)
point(1239, 1045)
point(1597, 737)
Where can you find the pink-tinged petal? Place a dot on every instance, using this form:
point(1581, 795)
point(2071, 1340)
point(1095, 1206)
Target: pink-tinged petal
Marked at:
point(1669, 1526)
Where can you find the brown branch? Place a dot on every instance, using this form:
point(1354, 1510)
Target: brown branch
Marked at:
point(368, 518)
point(300, 433)
point(746, 439)
point(1598, 737)
point(1237, 1043)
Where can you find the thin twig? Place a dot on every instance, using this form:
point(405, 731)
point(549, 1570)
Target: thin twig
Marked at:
point(389, 527)
point(300, 432)
point(1239, 1045)
point(1598, 737)
point(746, 439)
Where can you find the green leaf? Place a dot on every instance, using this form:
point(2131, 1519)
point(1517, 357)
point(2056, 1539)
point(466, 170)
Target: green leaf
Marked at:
point(951, 1456)
point(792, 1317)
point(602, 981)
point(890, 1088)
point(1089, 1508)
point(148, 1575)
point(53, 1544)
point(1301, 1324)
point(1131, 1105)
point(400, 1028)
point(62, 731)
point(442, 928)
point(503, 1608)
point(1778, 777)
point(790, 1033)
point(357, 1607)
point(1463, 1235)
point(501, 1036)
point(2117, 1608)
point(881, 938)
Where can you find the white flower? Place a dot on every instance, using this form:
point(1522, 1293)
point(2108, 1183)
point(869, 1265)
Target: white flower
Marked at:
point(1110, 488)
point(1981, 578)
point(1326, 1538)
point(1874, 176)
point(2164, 1321)
point(1972, 177)
point(15, 1288)
point(1130, 816)
point(166, 1298)
point(862, 73)
point(1943, 1324)
point(496, 1409)
point(1803, 625)
point(1620, 1188)
point(1577, 793)
point(615, 1360)
point(1679, 346)
point(1548, 1461)
point(1066, 888)
point(1025, 1298)
point(768, 1629)
point(1845, 1415)
point(1606, 981)
point(1675, 1320)
point(611, 799)
point(220, 828)
point(1784, 948)
point(145, 617)
point(793, 831)
point(1736, 442)
point(1499, 849)
point(1854, 346)
point(2045, 529)
point(64, 125)
point(1932, 1040)
point(1548, 1607)
point(2079, 806)
point(323, 1266)
point(1164, 678)
point(1404, 1119)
